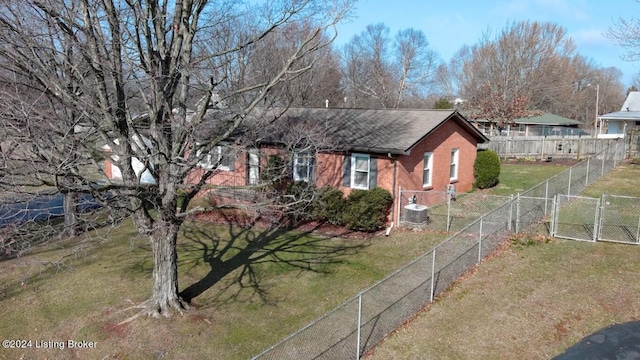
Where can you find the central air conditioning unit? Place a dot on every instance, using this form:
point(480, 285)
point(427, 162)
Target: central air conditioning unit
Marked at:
point(416, 214)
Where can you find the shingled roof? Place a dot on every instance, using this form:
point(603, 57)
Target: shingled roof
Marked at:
point(393, 131)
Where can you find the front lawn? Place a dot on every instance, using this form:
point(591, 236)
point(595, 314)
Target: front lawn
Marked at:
point(251, 288)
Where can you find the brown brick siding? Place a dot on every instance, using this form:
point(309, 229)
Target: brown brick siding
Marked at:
point(409, 167)
point(447, 137)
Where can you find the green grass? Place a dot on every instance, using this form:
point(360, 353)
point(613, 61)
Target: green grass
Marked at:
point(623, 180)
point(290, 280)
point(577, 215)
point(515, 178)
point(534, 299)
point(252, 305)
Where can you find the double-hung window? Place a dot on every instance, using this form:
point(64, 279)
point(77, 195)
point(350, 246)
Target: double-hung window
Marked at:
point(220, 157)
point(303, 166)
point(427, 169)
point(360, 169)
point(453, 167)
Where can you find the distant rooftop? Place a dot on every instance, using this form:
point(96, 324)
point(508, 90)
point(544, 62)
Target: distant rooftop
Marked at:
point(543, 119)
point(630, 109)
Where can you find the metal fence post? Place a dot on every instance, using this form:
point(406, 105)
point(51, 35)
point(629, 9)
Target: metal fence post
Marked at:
point(399, 205)
point(510, 217)
point(359, 324)
point(433, 273)
point(546, 196)
point(638, 231)
point(569, 186)
point(518, 214)
point(601, 212)
point(480, 241)
point(448, 212)
point(552, 229)
point(586, 181)
point(596, 227)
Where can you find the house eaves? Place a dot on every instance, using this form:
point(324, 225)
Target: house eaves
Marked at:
point(622, 115)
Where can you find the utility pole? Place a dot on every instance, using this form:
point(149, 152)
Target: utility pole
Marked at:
point(595, 122)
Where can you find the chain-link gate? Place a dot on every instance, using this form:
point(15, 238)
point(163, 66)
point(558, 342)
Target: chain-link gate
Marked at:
point(620, 219)
point(575, 217)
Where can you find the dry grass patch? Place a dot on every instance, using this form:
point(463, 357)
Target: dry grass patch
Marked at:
point(530, 302)
point(535, 299)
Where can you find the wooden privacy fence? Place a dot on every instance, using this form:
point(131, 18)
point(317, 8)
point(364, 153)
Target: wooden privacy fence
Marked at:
point(555, 147)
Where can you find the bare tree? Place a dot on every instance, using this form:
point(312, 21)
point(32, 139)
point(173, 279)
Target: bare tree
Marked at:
point(310, 88)
point(506, 70)
point(627, 34)
point(528, 68)
point(383, 73)
point(79, 75)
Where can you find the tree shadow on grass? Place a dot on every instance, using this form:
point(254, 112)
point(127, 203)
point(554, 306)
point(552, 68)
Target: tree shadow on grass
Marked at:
point(251, 252)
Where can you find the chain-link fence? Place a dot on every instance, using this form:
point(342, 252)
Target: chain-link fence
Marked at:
point(360, 323)
point(357, 325)
point(442, 211)
point(575, 217)
point(619, 219)
point(614, 218)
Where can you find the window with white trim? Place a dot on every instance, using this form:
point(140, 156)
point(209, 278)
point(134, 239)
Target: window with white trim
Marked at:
point(427, 169)
point(303, 166)
point(360, 168)
point(220, 157)
point(453, 167)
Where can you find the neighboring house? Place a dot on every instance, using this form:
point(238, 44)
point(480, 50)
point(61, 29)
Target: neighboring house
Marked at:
point(113, 172)
point(617, 123)
point(545, 124)
point(362, 149)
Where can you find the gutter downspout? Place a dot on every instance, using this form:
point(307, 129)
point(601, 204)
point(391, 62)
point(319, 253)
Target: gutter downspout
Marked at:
point(393, 192)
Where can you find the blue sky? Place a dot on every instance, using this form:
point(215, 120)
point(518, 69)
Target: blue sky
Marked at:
point(448, 25)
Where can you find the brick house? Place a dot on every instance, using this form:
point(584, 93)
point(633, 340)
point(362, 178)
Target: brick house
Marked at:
point(414, 149)
point(355, 149)
point(362, 149)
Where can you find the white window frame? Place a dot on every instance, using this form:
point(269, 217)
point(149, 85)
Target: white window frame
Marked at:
point(427, 168)
point(354, 158)
point(303, 159)
point(215, 157)
point(454, 165)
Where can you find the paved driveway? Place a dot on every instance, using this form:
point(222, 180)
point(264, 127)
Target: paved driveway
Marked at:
point(619, 342)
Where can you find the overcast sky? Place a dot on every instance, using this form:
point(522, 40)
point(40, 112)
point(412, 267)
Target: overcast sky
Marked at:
point(448, 25)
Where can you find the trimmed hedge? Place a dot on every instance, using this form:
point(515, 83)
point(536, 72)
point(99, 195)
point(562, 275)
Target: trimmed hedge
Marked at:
point(329, 206)
point(367, 210)
point(486, 169)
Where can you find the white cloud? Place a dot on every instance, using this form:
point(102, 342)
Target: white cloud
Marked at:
point(593, 36)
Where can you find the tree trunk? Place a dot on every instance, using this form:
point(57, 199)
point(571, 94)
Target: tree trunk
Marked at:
point(164, 296)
